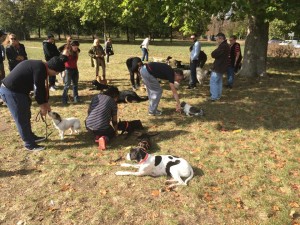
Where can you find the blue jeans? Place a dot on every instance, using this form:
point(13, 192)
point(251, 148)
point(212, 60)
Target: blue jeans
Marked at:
point(230, 76)
point(153, 88)
point(71, 75)
point(193, 78)
point(216, 85)
point(145, 54)
point(19, 107)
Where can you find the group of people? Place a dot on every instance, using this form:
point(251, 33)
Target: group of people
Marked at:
point(35, 75)
point(227, 59)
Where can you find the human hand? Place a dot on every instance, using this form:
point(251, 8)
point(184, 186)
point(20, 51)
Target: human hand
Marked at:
point(45, 108)
point(178, 108)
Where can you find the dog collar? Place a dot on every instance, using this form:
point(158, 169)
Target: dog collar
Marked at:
point(145, 159)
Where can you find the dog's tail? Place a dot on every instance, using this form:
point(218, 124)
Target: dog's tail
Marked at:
point(190, 177)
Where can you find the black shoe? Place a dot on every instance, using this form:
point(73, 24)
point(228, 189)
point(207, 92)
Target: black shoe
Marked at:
point(35, 148)
point(39, 139)
point(190, 87)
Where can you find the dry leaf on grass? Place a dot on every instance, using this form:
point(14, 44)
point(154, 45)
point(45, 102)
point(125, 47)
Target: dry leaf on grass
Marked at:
point(103, 192)
point(155, 193)
point(275, 208)
point(294, 204)
point(65, 187)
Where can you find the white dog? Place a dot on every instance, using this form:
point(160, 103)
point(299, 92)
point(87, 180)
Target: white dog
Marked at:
point(200, 73)
point(62, 125)
point(191, 110)
point(158, 166)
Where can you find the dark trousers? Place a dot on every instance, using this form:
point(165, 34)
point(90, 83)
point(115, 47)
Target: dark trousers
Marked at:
point(52, 80)
point(193, 78)
point(19, 107)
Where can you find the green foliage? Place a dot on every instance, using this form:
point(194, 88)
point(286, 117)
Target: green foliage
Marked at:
point(280, 29)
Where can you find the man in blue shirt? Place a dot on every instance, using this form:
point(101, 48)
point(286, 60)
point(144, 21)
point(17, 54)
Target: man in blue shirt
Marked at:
point(194, 61)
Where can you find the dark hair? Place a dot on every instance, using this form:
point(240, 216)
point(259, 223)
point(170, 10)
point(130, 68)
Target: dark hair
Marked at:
point(74, 43)
point(57, 63)
point(112, 92)
point(233, 36)
point(50, 36)
point(221, 35)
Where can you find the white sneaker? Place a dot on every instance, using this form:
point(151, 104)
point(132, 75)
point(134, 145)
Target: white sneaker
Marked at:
point(52, 88)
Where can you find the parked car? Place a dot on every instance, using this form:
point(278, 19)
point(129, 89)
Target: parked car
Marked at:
point(275, 41)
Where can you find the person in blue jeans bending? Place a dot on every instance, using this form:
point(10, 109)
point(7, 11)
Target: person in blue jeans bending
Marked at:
point(220, 65)
point(27, 76)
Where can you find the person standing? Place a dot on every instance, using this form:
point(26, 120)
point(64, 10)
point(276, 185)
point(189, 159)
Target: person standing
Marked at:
point(71, 73)
point(220, 66)
point(2, 56)
point(153, 71)
point(50, 50)
point(235, 58)
point(194, 61)
point(108, 49)
point(103, 111)
point(15, 52)
point(97, 55)
point(145, 48)
point(27, 76)
point(133, 65)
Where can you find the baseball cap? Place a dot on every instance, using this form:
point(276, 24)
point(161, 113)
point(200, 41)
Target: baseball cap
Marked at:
point(74, 43)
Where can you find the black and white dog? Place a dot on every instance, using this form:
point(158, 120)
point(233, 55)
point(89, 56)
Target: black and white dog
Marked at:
point(191, 110)
point(99, 86)
point(158, 165)
point(130, 126)
point(62, 125)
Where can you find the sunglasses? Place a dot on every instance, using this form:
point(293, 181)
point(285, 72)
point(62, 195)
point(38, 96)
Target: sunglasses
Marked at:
point(13, 39)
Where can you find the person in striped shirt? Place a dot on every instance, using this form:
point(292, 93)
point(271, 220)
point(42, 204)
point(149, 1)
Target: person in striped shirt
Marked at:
point(102, 118)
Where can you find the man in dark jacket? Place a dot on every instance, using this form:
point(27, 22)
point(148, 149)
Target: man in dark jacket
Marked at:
point(50, 50)
point(2, 56)
point(27, 76)
point(133, 64)
point(220, 65)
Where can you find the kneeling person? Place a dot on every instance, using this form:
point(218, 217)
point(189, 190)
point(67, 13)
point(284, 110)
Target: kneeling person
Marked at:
point(102, 111)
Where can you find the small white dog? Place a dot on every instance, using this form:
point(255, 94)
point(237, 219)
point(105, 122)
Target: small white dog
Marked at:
point(191, 110)
point(158, 165)
point(62, 125)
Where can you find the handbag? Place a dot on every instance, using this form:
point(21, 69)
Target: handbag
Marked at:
point(111, 53)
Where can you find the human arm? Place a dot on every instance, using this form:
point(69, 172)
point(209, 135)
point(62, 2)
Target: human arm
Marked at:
point(176, 97)
point(45, 108)
point(115, 123)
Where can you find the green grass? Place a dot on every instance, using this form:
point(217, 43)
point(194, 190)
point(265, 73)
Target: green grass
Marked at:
point(245, 154)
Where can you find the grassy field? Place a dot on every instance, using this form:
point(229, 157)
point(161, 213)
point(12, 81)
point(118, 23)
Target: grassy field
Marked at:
point(244, 151)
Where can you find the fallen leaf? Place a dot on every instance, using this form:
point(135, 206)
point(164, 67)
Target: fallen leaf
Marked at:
point(65, 187)
point(103, 192)
point(68, 210)
point(292, 213)
point(275, 208)
point(237, 131)
point(294, 204)
point(155, 193)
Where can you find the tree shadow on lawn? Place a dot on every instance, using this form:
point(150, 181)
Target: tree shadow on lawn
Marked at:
point(269, 102)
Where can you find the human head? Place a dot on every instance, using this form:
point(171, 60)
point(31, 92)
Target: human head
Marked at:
point(2, 36)
point(69, 39)
point(112, 92)
point(220, 37)
point(96, 42)
point(178, 75)
point(109, 39)
point(74, 44)
point(57, 63)
point(50, 38)
point(12, 39)
point(193, 37)
point(232, 39)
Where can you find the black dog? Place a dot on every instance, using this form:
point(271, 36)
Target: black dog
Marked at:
point(99, 86)
point(129, 126)
point(130, 96)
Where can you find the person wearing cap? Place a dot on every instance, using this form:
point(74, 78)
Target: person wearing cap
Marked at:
point(220, 65)
point(15, 51)
point(71, 73)
point(50, 50)
point(2, 56)
point(194, 61)
point(27, 76)
point(153, 71)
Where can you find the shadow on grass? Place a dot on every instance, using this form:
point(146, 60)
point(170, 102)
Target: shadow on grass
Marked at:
point(22, 172)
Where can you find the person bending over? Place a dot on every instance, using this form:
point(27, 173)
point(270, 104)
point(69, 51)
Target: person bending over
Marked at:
point(133, 65)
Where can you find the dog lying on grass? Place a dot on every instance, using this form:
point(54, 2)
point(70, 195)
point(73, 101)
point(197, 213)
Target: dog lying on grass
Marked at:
point(99, 86)
point(129, 96)
point(62, 125)
point(191, 110)
point(129, 126)
point(159, 165)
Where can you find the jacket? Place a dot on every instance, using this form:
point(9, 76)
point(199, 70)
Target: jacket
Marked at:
point(221, 56)
point(13, 54)
point(50, 50)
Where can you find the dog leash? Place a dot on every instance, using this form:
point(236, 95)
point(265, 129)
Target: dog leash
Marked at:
point(37, 119)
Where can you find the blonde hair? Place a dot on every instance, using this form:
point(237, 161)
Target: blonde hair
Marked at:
point(7, 39)
point(95, 41)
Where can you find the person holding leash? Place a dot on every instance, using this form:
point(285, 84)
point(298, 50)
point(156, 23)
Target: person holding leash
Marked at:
point(153, 71)
point(27, 76)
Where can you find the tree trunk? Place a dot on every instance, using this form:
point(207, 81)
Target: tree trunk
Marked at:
point(256, 46)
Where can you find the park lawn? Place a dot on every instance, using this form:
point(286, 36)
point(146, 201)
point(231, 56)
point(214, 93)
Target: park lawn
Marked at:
point(244, 151)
